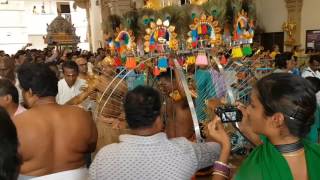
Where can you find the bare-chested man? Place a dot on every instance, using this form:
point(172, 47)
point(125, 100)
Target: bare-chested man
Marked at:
point(83, 68)
point(53, 138)
point(176, 110)
point(9, 98)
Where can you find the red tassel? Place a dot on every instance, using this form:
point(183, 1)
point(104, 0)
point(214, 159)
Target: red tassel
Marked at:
point(131, 63)
point(194, 44)
point(152, 47)
point(223, 60)
point(117, 61)
point(142, 66)
point(156, 71)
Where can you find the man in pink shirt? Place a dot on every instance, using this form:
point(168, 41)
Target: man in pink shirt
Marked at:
point(9, 98)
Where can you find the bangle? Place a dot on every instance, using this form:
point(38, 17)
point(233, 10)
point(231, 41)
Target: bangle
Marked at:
point(220, 174)
point(221, 167)
point(223, 164)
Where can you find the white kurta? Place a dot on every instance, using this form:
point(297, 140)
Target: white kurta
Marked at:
point(65, 93)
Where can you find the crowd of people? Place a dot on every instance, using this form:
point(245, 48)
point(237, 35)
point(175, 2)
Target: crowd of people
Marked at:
point(36, 88)
point(48, 133)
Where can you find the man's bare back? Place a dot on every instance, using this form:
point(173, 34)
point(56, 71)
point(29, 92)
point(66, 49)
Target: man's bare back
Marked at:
point(54, 138)
point(179, 120)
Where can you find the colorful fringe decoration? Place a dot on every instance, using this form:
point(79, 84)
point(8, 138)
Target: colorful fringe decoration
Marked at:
point(117, 62)
point(156, 71)
point(223, 60)
point(163, 63)
point(199, 30)
point(131, 62)
point(204, 29)
point(202, 59)
point(247, 51)
point(142, 66)
point(191, 60)
point(237, 52)
point(123, 58)
point(194, 35)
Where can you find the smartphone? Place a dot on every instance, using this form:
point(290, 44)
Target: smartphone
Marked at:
point(229, 114)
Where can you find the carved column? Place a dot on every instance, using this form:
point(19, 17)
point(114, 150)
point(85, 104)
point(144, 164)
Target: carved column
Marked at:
point(96, 24)
point(294, 8)
point(85, 4)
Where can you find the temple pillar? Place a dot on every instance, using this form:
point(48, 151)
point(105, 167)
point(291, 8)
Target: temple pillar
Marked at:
point(95, 19)
point(94, 16)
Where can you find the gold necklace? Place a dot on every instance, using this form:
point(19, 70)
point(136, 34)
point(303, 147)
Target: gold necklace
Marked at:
point(293, 154)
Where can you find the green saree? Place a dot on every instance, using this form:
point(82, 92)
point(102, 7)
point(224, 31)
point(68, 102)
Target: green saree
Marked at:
point(313, 136)
point(266, 163)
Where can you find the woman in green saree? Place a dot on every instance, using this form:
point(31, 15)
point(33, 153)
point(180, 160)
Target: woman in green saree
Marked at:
point(277, 120)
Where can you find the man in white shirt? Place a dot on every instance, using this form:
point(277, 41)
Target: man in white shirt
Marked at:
point(147, 153)
point(313, 69)
point(70, 86)
point(9, 98)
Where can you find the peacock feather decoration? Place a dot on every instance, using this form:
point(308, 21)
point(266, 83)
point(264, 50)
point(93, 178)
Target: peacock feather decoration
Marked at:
point(205, 31)
point(159, 36)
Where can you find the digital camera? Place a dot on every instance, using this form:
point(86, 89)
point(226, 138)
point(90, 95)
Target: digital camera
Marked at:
point(229, 114)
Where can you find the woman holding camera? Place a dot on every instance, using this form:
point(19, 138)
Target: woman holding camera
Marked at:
point(277, 119)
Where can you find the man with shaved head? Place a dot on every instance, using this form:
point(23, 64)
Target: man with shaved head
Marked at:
point(83, 68)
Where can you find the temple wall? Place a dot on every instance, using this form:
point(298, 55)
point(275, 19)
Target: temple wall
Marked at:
point(19, 25)
point(310, 18)
point(273, 13)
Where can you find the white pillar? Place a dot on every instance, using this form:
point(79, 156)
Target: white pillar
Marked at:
point(95, 25)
